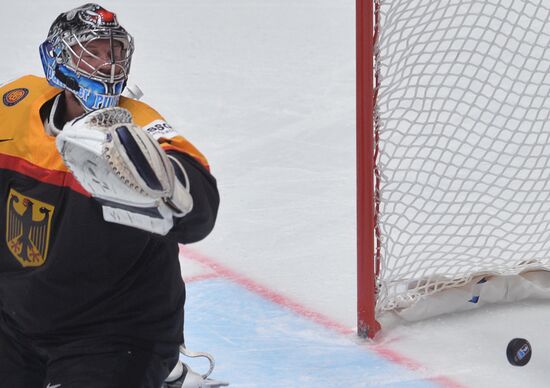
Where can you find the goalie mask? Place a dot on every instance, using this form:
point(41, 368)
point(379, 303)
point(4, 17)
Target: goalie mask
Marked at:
point(88, 53)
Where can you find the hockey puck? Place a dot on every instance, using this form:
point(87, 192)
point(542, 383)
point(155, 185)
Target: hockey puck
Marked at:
point(518, 351)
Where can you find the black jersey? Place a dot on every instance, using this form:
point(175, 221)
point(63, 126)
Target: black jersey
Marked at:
point(64, 271)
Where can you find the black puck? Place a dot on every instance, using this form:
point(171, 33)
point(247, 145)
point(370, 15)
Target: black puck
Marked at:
point(518, 351)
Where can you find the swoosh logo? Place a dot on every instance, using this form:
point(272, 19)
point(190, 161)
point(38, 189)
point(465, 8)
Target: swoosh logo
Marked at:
point(3, 140)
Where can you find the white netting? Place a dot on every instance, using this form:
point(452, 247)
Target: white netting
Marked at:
point(463, 115)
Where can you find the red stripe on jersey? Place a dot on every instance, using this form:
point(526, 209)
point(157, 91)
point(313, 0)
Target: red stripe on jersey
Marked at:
point(52, 177)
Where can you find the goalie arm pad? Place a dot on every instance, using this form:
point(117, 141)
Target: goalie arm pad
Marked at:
point(199, 222)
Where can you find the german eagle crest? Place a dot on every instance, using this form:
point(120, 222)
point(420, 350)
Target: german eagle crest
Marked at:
point(28, 224)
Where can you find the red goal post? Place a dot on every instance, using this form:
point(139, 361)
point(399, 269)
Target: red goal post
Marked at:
point(366, 267)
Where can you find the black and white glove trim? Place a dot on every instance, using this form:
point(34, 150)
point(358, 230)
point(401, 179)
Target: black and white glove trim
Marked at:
point(182, 190)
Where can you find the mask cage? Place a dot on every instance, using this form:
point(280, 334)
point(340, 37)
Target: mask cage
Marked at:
point(76, 55)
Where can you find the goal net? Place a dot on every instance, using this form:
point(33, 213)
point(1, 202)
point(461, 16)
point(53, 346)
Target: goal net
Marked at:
point(462, 144)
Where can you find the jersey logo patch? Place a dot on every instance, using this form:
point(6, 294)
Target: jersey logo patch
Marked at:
point(13, 97)
point(28, 223)
point(160, 128)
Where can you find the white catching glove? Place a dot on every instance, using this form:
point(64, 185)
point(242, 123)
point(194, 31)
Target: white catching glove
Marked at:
point(125, 169)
